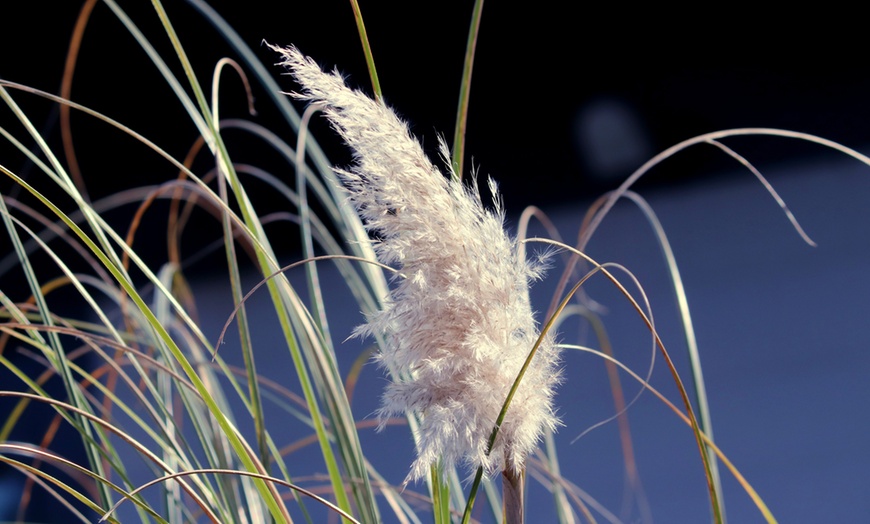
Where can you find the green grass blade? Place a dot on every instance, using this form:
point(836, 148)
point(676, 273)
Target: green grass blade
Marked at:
point(465, 92)
point(367, 49)
point(440, 496)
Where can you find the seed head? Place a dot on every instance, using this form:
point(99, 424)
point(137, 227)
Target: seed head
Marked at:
point(458, 324)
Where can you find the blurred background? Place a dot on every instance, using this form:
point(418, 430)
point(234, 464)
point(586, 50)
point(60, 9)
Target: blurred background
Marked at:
point(564, 106)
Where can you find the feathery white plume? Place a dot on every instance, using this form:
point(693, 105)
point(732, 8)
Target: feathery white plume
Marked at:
point(458, 325)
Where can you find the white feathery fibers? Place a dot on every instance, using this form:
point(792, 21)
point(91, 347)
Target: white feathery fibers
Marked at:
point(458, 324)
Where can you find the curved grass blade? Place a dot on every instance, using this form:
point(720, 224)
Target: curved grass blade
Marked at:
point(705, 418)
point(762, 507)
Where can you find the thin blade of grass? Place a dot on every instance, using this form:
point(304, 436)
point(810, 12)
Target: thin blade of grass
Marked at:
point(762, 507)
point(255, 404)
point(367, 49)
point(465, 91)
point(705, 417)
point(709, 138)
point(440, 496)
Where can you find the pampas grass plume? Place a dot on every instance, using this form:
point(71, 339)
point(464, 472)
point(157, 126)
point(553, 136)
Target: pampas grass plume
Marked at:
point(458, 325)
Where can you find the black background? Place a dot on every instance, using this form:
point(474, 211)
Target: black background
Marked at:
point(678, 72)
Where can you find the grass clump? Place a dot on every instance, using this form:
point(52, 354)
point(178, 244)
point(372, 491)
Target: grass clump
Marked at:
point(115, 330)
